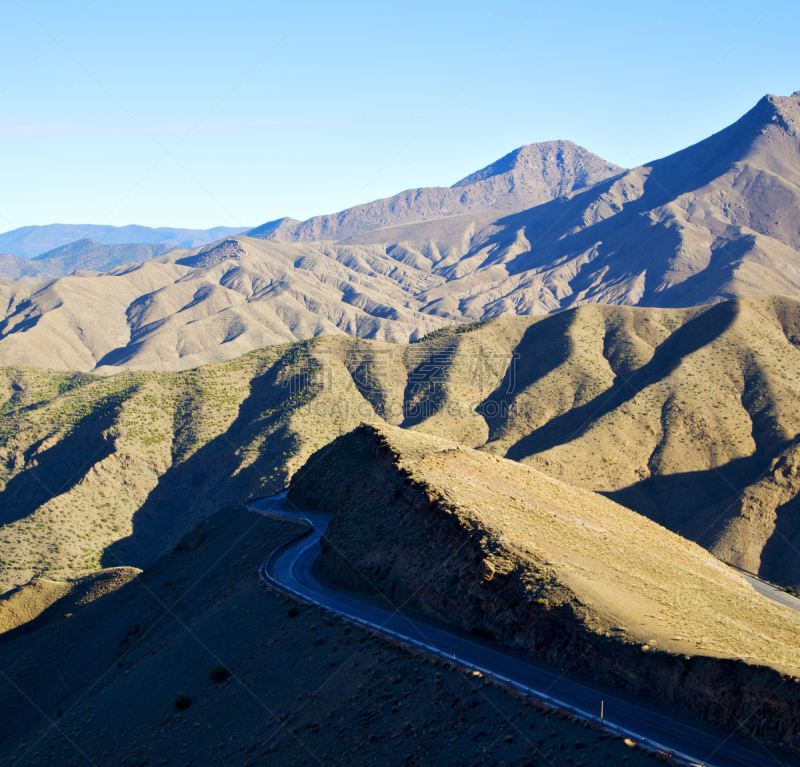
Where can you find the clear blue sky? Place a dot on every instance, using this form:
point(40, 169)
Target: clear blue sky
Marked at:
point(200, 114)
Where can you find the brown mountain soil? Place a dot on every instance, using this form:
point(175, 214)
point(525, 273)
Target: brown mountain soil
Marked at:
point(495, 547)
point(98, 687)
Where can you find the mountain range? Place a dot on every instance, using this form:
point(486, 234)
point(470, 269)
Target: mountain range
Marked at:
point(555, 406)
point(81, 255)
point(32, 241)
point(526, 177)
point(688, 417)
point(548, 227)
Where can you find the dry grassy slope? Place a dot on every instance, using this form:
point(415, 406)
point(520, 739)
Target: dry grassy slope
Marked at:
point(452, 374)
point(669, 412)
point(304, 688)
point(488, 544)
point(673, 413)
point(29, 606)
point(117, 469)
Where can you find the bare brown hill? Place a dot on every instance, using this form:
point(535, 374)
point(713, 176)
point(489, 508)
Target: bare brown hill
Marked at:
point(502, 550)
point(188, 308)
point(715, 221)
point(528, 176)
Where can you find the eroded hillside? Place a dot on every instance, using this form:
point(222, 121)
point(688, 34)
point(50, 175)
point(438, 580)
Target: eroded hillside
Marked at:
point(503, 551)
point(547, 228)
point(688, 417)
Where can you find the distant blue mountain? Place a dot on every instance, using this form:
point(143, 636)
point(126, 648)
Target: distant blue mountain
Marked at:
point(87, 255)
point(32, 241)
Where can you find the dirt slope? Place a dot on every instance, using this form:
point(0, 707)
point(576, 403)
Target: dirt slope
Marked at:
point(494, 547)
point(96, 686)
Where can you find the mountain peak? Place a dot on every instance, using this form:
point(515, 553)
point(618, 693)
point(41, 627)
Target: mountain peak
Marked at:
point(561, 164)
point(528, 176)
point(269, 227)
point(786, 110)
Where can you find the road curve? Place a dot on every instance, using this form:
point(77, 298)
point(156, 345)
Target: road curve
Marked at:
point(289, 569)
point(775, 594)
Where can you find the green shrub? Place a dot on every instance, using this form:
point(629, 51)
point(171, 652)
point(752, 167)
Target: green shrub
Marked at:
point(292, 612)
point(182, 701)
point(218, 673)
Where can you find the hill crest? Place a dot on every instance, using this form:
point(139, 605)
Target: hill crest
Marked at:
point(528, 176)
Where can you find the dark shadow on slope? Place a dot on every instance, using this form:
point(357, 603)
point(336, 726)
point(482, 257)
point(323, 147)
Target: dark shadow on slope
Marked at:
point(425, 392)
point(120, 355)
point(687, 339)
point(192, 490)
point(780, 557)
point(557, 229)
point(76, 600)
point(20, 327)
point(544, 347)
point(725, 257)
point(679, 501)
point(58, 469)
point(698, 505)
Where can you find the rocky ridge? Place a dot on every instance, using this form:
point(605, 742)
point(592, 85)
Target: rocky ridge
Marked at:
point(511, 555)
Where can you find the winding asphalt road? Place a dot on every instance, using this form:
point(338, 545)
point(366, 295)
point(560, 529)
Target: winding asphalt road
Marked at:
point(781, 597)
point(289, 569)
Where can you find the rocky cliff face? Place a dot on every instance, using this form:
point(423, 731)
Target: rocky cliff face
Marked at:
point(501, 551)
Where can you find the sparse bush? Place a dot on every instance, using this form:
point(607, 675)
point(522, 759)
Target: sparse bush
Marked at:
point(182, 701)
point(218, 673)
point(292, 612)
